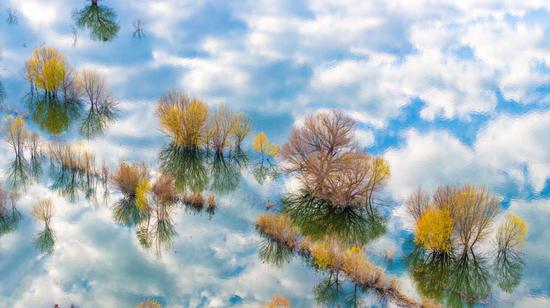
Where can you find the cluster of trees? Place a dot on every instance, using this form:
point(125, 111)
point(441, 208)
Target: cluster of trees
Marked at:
point(323, 154)
point(329, 254)
point(450, 224)
point(460, 218)
point(76, 169)
point(192, 126)
point(147, 204)
point(57, 93)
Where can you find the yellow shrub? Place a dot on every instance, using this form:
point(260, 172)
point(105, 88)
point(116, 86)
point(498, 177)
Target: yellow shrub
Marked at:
point(46, 68)
point(433, 230)
point(143, 189)
point(512, 232)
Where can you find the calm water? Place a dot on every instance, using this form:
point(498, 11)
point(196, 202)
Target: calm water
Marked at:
point(447, 104)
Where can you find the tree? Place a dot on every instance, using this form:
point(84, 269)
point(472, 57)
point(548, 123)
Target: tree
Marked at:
point(417, 203)
point(94, 87)
point(512, 233)
point(473, 210)
point(323, 154)
point(183, 119)
point(103, 106)
point(220, 127)
point(127, 177)
point(17, 135)
point(261, 143)
point(100, 20)
point(43, 211)
point(46, 69)
point(241, 127)
point(433, 230)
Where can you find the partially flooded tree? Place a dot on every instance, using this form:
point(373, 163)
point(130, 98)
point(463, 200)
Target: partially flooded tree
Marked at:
point(220, 127)
point(241, 127)
point(472, 210)
point(158, 231)
point(262, 145)
point(47, 70)
point(100, 20)
point(43, 211)
point(103, 106)
point(54, 98)
point(434, 229)
point(17, 137)
point(511, 234)
point(183, 119)
point(132, 180)
point(323, 154)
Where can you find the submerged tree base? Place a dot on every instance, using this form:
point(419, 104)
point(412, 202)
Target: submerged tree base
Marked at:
point(355, 265)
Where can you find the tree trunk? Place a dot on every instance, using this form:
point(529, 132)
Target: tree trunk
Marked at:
point(94, 2)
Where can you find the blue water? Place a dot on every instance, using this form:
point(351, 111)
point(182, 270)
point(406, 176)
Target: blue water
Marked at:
point(448, 94)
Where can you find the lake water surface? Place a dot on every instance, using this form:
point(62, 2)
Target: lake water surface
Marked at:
point(442, 94)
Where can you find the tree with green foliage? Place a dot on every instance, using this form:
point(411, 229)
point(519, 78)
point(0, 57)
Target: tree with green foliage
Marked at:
point(100, 20)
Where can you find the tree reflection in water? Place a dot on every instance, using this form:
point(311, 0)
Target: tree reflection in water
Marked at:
point(225, 174)
point(317, 218)
point(459, 279)
point(97, 120)
point(100, 20)
point(52, 115)
point(187, 167)
point(9, 215)
point(264, 170)
point(275, 253)
point(18, 173)
point(45, 240)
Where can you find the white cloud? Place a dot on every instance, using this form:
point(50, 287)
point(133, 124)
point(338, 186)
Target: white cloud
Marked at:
point(501, 154)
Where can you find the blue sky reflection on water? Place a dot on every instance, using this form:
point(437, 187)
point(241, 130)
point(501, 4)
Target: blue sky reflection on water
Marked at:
point(449, 93)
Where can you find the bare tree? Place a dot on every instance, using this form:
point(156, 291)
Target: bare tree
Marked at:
point(324, 155)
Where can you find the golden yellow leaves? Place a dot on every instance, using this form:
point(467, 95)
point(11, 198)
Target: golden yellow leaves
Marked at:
point(433, 230)
point(143, 189)
point(183, 119)
point(46, 69)
point(512, 233)
point(262, 145)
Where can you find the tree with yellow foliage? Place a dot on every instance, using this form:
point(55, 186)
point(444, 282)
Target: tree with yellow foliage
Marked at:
point(17, 135)
point(262, 145)
point(472, 210)
point(241, 128)
point(46, 69)
point(183, 119)
point(512, 233)
point(434, 229)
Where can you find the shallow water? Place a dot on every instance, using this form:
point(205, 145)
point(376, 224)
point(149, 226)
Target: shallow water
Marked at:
point(273, 62)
